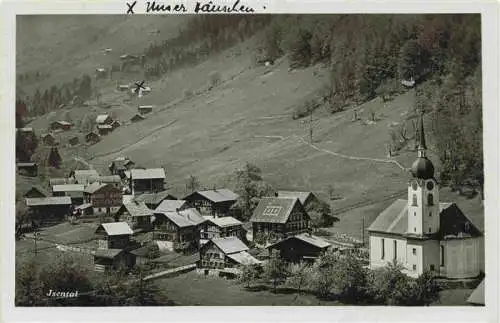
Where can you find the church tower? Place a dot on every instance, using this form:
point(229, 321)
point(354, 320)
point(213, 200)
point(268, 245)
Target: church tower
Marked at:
point(423, 193)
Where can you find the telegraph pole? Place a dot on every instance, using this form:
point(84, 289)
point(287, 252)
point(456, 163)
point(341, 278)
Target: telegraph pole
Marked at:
point(311, 127)
point(363, 231)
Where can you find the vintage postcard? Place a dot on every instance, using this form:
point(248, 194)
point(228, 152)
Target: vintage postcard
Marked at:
point(307, 158)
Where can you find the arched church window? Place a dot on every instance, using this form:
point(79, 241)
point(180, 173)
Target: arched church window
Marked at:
point(414, 203)
point(430, 199)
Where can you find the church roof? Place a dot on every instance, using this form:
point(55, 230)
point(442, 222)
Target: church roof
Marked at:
point(453, 223)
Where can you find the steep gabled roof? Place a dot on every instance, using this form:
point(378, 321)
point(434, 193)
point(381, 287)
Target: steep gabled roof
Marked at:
point(154, 198)
point(116, 228)
point(68, 188)
point(307, 238)
point(52, 200)
point(217, 196)
point(244, 258)
point(94, 187)
point(39, 189)
point(137, 209)
point(275, 209)
point(184, 218)
point(229, 245)
point(302, 196)
point(150, 173)
point(170, 205)
point(221, 222)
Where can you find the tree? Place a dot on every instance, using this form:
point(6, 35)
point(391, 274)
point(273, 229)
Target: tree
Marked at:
point(321, 213)
point(192, 184)
point(299, 274)
point(85, 87)
point(350, 279)
point(390, 285)
point(425, 290)
point(321, 281)
point(54, 159)
point(275, 269)
point(29, 288)
point(248, 274)
point(250, 187)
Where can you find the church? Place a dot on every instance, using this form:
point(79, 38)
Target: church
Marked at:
point(424, 234)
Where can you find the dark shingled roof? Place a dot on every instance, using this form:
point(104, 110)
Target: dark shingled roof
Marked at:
point(154, 198)
point(313, 240)
point(39, 189)
point(217, 195)
point(274, 209)
point(107, 253)
point(453, 223)
point(230, 245)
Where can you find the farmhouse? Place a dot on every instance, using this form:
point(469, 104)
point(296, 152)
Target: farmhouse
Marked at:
point(279, 217)
point(425, 234)
point(172, 206)
point(114, 180)
point(105, 198)
point(177, 230)
point(73, 141)
point(103, 119)
point(136, 215)
point(84, 209)
point(145, 109)
point(120, 165)
point(123, 87)
point(60, 125)
point(104, 129)
point(306, 198)
point(86, 176)
point(215, 227)
point(302, 247)
point(137, 117)
point(216, 202)
point(61, 181)
point(149, 180)
point(106, 260)
point(113, 241)
point(74, 191)
point(115, 124)
point(28, 169)
point(92, 138)
point(49, 208)
point(49, 139)
point(36, 191)
point(153, 200)
point(223, 254)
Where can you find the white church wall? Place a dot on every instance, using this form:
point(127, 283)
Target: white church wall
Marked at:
point(414, 258)
point(463, 257)
point(376, 259)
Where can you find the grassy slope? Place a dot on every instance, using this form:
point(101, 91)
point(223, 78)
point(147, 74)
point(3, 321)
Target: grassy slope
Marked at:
point(215, 132)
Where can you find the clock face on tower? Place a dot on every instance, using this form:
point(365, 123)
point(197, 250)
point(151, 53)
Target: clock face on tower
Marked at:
point(430, 185)
point(414, 185)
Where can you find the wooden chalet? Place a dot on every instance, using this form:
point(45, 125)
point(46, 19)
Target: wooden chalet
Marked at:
point(149, 180)
point(216, 202)
point(74, 191)
point(103, 119)
point(172, 206)
point(105, 198)
point(177, 231)
point(92, 138)
point(279, 217)
point(60, 125)
point(153, 200)
point(115, 124)
point(84, 209)
point(28, 131)
point(104, 129)
point(302, 247)
point(114, 180)
point(36, 191)
point(145, 109)
point(306, 198)
point(224, 255)
point(73, 141)
point(114, 243)
point(123, 87)
point(136, 215)
point(48, 139)
point(27, 169)
point(120, 165)
point(84, 176)
point(137, 117)
point(221, 227)
point(48, 209)
point(61, 181)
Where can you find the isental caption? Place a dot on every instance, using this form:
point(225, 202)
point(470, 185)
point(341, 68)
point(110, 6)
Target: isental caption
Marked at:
point(197, 7)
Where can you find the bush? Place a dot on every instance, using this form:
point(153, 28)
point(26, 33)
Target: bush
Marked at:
point(214, 79)
point(305, 110)
point(188, 93)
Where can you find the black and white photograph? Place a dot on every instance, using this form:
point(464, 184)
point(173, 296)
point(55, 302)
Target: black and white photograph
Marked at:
point(297, 160)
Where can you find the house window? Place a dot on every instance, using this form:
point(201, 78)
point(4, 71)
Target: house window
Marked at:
point(414, 229)
point(430, 230)
point(395, 249)
point(430, 214)
point(414, 267)
point(414, 200)
point(430, 199)
point(414, 251)
point(432, 267)
point(414, 213)
point(442, 255)
point(383, 249)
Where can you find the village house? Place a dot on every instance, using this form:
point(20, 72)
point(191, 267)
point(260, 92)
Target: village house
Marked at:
point(306, 198)
point(73, 141)
point(120, 165)
point(48, 209)
point(60, 125)
point(61, 181)
point(137, 117)
point(172, 206)
point(424, 234)
point(101, 73)
point(224, 255)
point(115, 124)
point(28, 131)
point(136, 215)
point(302, 247)
point(215, 227)
point(177, 231)
point(114, 242)
point(103, 119)
point(92, 138)
point(153, 200)
point(36, 191)
point(84, 209)
point(216, 202)
point(85, 176)
point(122, 87)
point(74, 191)
point(27, 169)
point(145, 109)
point(48, 139)
point(104, 129)
point(114, 180)
point(105, 199)
point(279, 217)
point(149, 180)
